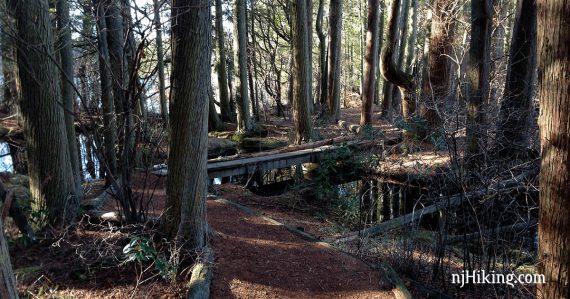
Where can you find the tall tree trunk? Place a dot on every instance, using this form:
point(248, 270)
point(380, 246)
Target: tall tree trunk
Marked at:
point(133, 94)
point(498, 46)
point(401, 50)
point(387, 95)
point(478, 77)
point(87, 60)
point(11, 85)
point(335, 22)
point(302, 69)
point(231, 74)
point(361, 42)
point(7, 279)
point(185, 216)
point(107, 98)
point(380, 83)
point(402, 47)
point(160, 64)
point(250, 58)
point(49, 168)
point(413, 38)
point(390, 101)
point(244, 121)
point(394, 75)
point(116, 43)
point(517, 101)
point(309, 4)
point(436, 86)
point(67, 91)
point(214, 121)
point(323, 88)
point(225, 108)
point(371, 57)
point(554, 122)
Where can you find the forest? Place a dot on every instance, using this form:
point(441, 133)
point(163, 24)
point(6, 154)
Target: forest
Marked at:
point(284, 149)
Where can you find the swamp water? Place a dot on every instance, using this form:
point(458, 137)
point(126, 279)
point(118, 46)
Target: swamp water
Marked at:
point(90, 166)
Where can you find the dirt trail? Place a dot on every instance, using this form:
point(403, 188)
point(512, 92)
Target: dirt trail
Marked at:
point(258, 259)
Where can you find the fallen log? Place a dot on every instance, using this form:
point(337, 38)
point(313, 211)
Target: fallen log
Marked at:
point(508, 186)
point(310, 145)
point(399, 288)
point(490, 232)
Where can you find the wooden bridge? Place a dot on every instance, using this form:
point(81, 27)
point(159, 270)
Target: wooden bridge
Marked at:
point(265, 161)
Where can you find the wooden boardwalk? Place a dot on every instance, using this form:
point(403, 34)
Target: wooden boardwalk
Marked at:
point(265, 161)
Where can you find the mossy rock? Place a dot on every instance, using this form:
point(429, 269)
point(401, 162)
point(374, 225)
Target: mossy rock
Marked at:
point(256, 144)
point(221, 147)
point(20, 180)
point(257, 132)
point(20, 185)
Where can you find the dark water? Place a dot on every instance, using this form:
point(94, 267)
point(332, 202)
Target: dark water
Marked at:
point(6, 164)
point(89, 163)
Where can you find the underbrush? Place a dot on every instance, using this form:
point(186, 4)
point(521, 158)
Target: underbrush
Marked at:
point(89, 259)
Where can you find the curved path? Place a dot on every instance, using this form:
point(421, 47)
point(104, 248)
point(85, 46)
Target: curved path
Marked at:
point(256, 258)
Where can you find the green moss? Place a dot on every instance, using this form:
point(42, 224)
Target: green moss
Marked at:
point(261, 144)
point(238, 137)
point(27, 272)
point(424, 237)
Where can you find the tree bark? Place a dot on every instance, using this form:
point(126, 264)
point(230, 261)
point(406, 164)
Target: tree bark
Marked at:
point(380, 82)
point(118, 67)
point(309, 9)
point(394, 75)
point(160, 65)
point(402, 47)
point(413, 38)
point(334, 70)
point(225, 108)
point(478, 77)
point(7, 279)
point(323, 88)
point(214, 121)
point(517, 101)
point(554, 122)
point(436, 86)
point(401, 50)
point(302, 95)
point(244, 120)
point(49, 168)
point(107, 98)
point(132, 97)
point(371, 57)
point(67, 91)
point(250, 58)
point(11, 85)
point(185, 216)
